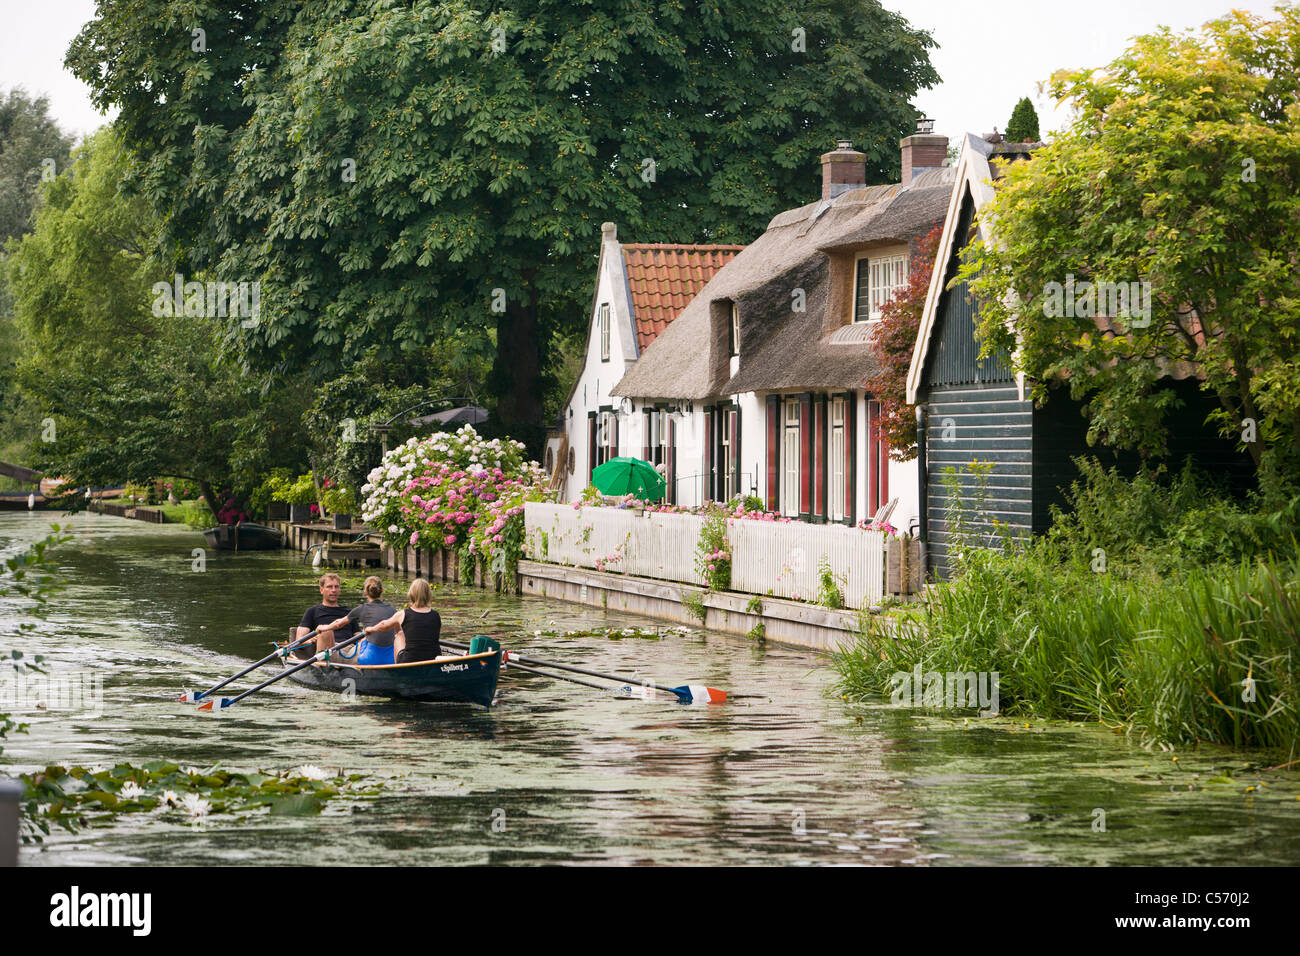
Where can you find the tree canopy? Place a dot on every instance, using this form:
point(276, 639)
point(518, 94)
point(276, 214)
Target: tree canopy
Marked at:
point(1181, 170)
point(397, 173)
point(130, 395)
point(1023, 125)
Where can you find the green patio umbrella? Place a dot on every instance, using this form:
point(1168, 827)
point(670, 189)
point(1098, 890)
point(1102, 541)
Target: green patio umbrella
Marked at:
point(623, 476)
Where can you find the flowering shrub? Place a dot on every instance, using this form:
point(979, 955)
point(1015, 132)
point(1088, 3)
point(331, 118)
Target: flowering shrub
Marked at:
point(713, 553)
point(455, 491)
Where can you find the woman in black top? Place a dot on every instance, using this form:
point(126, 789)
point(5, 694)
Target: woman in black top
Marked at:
point(420, 626)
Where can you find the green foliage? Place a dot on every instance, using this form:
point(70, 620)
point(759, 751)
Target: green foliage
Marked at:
point(755, 605)
point(694, 603)
point(28, 137)
point(339, 499)
point(1146, 523)
point(971, 526)
point(487, 144)
point(758, 632)
point(1206, 656)
point(829, 588)
point(893, 339)
point(30, 578)
point(133, 395)
point(1023, 125)
point(1182, 169)
point(299, 491)
point(713, 553)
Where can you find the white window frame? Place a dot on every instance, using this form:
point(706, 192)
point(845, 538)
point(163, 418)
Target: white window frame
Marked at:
point(790, 452)
point(604, 436)
point(886, 277)
point(604, 331)
point(839, 420)
point(735, 329)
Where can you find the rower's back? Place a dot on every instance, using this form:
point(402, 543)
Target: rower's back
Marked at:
point(422, 628)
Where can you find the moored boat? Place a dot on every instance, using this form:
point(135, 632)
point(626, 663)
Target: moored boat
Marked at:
point(243, 537)
point(468, 679)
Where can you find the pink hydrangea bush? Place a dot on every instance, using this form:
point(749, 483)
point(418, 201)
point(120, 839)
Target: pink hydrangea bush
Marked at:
point(456, 491)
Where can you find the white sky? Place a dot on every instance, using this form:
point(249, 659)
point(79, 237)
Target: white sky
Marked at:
point(989, 55)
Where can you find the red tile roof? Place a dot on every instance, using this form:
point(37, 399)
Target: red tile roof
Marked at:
point(663, 278)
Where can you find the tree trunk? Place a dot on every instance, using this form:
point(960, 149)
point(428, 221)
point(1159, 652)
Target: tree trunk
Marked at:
point(517, 371)
point(209, 498)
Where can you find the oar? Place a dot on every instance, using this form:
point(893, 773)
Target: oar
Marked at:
point(189, 697)
point(224, 702)
point(687, 694)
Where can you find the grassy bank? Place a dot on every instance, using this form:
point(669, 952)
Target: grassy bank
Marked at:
point(1170, 659)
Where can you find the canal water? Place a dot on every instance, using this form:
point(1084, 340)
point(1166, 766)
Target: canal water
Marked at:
point(558, 773)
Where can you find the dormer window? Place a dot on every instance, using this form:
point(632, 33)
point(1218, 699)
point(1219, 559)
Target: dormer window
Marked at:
point(604, 332)
point(878, 279)
point(735, 329)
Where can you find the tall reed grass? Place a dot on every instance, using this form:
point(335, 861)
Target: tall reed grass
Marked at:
point(1171, 659)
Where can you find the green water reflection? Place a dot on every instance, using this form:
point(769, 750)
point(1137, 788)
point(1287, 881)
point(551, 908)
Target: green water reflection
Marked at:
point(569, 775)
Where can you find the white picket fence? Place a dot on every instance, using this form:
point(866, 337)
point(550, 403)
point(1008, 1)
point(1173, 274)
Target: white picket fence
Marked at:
point(783, 559)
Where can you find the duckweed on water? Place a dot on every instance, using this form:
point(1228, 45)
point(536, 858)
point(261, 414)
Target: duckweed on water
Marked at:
point(74, 797)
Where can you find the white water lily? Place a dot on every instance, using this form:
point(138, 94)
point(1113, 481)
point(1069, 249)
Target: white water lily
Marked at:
point(131, 791)
point(195, 805)
point(311, 772)
point(168, 799)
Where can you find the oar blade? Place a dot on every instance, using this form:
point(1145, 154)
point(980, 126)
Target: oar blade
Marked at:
point(699, 694)
point(189, 697)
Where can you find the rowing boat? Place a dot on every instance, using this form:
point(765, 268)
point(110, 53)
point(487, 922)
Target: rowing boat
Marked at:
point(243, 537)
point(469, 679)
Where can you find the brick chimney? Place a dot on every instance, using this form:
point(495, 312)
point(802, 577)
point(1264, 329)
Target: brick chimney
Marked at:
point(923, 150)
point(843, 168)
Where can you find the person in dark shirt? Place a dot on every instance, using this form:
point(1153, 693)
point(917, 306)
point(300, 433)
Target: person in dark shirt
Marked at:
point(420, 626)
point(371, 650)
point(326, 612)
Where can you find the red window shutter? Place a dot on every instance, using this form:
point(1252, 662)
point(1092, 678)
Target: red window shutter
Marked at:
point(820, 464)
point(613, 435)
point(884, 466)
point(707, 477)
point(850, 475)
point(773, 443)
point(591, 445)
point(645, 431)
point(805, 455)
point(873, 462)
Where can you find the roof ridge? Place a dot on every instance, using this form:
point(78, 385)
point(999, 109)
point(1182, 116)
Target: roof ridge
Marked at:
point(706, 247)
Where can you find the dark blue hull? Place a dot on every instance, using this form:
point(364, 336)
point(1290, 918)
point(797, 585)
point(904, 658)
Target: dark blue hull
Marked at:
point(471, 679)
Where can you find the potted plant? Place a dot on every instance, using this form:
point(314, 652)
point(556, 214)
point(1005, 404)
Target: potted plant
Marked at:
point(340, 501)
point(299, 494)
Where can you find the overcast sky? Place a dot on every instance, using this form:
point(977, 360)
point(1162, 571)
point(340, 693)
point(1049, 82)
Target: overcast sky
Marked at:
point(989, 55)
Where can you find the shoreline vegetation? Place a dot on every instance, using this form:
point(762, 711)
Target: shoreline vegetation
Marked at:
point(1159, 609)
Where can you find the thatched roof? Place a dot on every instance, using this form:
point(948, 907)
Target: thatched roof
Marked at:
point(781, 348)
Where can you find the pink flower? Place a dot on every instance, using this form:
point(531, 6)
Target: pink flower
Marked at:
point(449, 540)
point(415, 536)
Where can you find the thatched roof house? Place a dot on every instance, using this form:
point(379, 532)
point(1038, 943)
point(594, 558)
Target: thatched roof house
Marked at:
point(788, 266)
